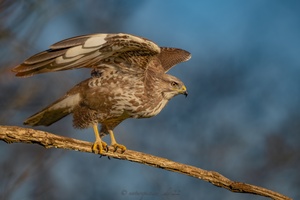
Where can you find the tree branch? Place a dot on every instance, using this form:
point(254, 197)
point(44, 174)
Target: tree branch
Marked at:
point(13, 134)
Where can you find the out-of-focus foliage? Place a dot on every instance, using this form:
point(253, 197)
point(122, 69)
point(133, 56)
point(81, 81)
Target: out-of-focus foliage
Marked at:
point(241, 117)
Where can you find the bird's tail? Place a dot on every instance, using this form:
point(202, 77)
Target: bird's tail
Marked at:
point(54, 112)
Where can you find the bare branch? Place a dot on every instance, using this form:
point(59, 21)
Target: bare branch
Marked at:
point(13, 134)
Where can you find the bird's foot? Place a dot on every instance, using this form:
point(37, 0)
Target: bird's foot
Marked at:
point(117, 146)
point(99, 146)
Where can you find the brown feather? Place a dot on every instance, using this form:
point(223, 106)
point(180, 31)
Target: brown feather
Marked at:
point(74, 52)
point(170, 57)
point(54, 112)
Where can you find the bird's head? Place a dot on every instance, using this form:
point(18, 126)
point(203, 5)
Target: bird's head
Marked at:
point(172, 86)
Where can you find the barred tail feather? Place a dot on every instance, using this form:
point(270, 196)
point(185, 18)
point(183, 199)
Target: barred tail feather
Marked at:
point(54, 112)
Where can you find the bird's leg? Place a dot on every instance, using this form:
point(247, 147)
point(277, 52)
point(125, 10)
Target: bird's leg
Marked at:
point(114, 142)
point(98, 145)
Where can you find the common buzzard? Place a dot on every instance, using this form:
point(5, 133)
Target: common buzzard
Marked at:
point(128, 80)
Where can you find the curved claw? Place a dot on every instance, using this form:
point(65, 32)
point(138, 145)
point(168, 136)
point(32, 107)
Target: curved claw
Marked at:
point(117, 146)
point(99, 146)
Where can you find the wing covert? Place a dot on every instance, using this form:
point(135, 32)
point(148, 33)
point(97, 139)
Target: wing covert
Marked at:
point(170, 57)
point(84, 52)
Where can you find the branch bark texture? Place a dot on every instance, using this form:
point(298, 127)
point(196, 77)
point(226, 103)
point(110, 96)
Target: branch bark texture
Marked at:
point(13, 134)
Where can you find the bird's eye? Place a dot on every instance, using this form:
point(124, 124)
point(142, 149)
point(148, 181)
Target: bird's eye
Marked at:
point(174, 84)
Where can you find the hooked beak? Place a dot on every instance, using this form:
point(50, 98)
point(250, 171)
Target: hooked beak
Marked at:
point(185, 94)
point(184, 91)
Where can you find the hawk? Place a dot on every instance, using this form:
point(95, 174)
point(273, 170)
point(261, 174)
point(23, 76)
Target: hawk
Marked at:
point(128, 80)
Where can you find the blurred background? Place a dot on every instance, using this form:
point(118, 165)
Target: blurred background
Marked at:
point(241, 117)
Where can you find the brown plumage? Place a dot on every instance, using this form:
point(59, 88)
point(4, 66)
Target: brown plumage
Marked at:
point(128, 80)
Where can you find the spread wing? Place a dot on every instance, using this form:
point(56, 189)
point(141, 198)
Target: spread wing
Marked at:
point(90, 51)
point(85, 52)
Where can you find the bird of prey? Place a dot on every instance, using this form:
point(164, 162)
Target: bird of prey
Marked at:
point(128, 80)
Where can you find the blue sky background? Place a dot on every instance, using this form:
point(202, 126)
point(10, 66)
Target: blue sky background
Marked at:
point(241, 117)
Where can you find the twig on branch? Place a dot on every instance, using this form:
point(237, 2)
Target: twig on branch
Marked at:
point(13, 134)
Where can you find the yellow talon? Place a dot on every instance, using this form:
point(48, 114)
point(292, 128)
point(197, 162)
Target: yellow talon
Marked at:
point(98, 145)
point(119, 146)
point(114, 142)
